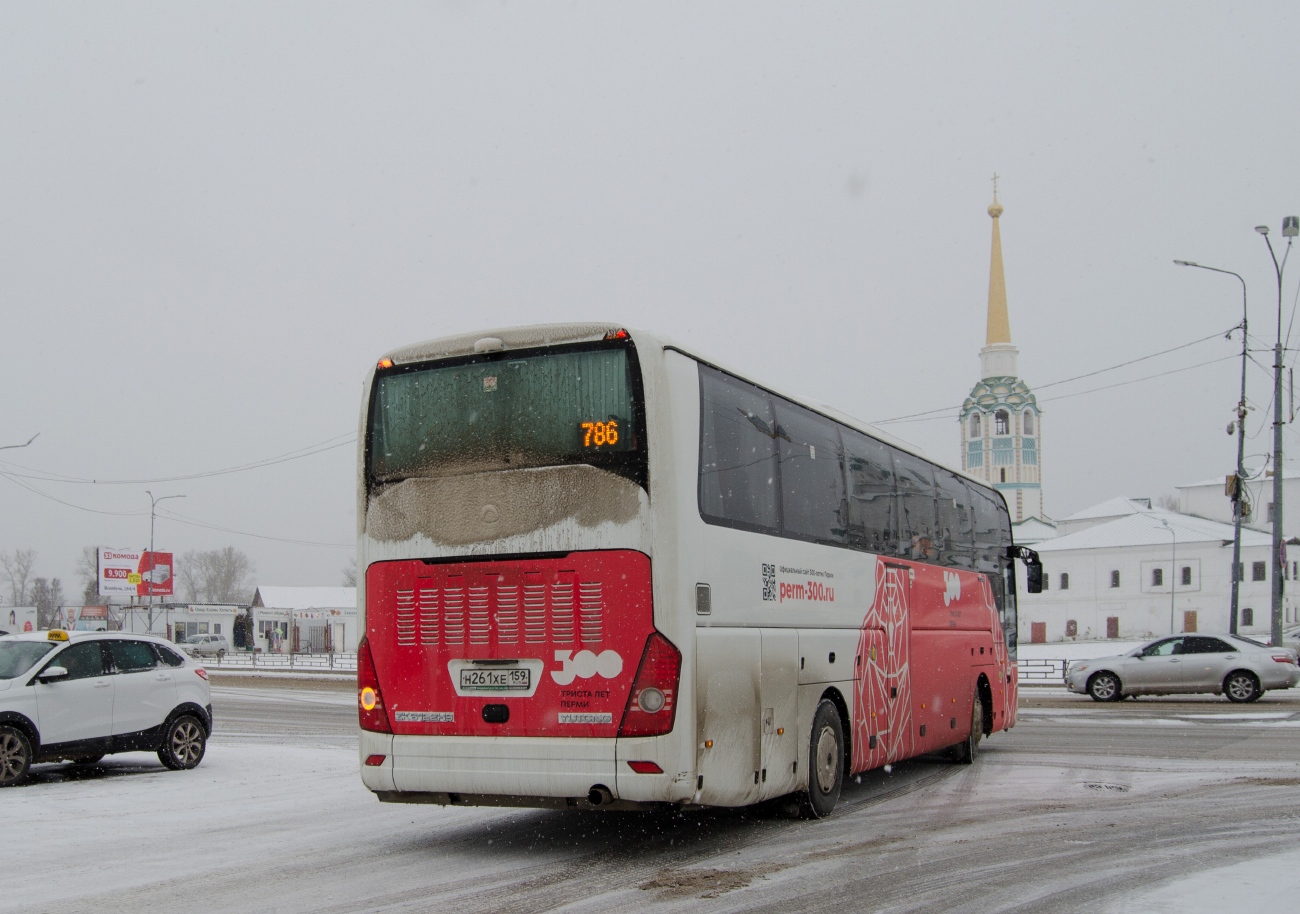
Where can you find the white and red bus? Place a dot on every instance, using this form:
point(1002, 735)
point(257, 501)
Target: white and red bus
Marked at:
point(599, 570)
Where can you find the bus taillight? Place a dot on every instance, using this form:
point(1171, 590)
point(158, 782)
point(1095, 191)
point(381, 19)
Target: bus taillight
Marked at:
point(651, 707)
point(370, 700)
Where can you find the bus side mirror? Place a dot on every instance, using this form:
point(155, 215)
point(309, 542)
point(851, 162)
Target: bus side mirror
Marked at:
point(1033, 567)
point(1034, 578)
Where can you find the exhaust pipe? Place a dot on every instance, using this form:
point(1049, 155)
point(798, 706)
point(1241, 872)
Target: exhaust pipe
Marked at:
point(600, 795)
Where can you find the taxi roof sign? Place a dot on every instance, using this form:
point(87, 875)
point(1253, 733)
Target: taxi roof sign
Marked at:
point(57, 634)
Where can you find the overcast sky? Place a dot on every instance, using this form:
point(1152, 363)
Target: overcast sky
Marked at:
point(215, 217)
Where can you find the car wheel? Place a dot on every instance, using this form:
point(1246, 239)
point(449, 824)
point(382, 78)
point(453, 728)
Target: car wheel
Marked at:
point(825, 763)
point(15, 756)
point(184, 743)
point(966, 751)
point(87, 759)
point(1104, 687)
point(1241, 686)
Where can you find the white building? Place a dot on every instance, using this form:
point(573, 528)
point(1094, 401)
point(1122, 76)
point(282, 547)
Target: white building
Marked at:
point(1208, 498)
point(305, 619)
point(1124, 570)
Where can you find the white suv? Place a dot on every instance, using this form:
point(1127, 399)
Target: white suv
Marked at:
point(82, 695)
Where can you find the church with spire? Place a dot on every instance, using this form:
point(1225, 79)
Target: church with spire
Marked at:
point(1001, 424)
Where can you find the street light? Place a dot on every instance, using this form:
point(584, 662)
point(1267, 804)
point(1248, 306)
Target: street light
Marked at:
point(1237, 499)
point(1290, 228)
point(1173, 570)
point(153, 503)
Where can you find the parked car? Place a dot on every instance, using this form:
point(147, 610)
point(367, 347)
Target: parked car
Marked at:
point(1230, 665)
point(81, 695)
point(206, 646)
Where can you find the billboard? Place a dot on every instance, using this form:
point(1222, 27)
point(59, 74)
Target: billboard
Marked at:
point(134, 572)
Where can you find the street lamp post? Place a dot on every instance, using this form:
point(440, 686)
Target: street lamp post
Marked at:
point(1290, 228)
point(153, 504)
point(1173, 571)
point(1238, 501)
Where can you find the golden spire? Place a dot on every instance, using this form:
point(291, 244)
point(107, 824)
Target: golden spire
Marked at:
point(999, 328)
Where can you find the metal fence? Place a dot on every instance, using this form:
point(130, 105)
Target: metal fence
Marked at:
point(1032, 672)
point(1042, 671)
point(337, 661)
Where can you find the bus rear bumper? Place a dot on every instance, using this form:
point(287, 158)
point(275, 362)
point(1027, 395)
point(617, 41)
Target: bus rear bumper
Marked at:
point(519, 771)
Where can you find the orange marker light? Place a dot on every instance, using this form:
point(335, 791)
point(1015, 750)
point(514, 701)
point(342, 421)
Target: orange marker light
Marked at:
point(385, 363)
point(368, 699)
point(708, 744)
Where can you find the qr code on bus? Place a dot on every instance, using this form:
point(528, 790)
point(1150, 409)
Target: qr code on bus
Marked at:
point(769, 582)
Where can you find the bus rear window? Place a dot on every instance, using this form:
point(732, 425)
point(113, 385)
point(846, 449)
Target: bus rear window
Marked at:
point(509, 411)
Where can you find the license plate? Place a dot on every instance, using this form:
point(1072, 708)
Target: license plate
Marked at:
point(513, 679)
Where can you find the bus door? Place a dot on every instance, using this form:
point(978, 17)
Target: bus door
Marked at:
point(783, 739)
point(871, 733)
point(891, 613)
point(728, 698)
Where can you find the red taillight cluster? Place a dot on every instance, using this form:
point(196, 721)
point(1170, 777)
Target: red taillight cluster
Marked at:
point(1283, 658)
point(651, 707)
point(370, 700)
point(201, 673)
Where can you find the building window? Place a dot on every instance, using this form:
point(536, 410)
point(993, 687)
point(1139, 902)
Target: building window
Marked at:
point(1247, 616)
point(1187, 576)
point(1001, 422)
point(975, 425)
point(1157, 577)
point(1065, 580)
point(1270, 513)
point(1241, 571)
point(1071, 628)
point(1029, 423)
point(1258, 571)
point(1114, 579)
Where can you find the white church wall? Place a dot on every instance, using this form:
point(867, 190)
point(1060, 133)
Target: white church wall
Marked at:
point(1141, 606)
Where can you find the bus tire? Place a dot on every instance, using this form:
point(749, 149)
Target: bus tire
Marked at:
point(825, 763)
point(966, 751)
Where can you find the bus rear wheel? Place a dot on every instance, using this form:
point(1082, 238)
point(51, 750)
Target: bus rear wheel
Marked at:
point(966, 751)
point(825, 763)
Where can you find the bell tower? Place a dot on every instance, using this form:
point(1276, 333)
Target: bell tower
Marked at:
point(1001, 424)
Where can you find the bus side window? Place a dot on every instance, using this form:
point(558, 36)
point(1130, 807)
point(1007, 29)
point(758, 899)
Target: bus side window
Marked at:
point(916, 497)
point(738, 438)
point(872, 509)
point(813, 503)
point(956, 530)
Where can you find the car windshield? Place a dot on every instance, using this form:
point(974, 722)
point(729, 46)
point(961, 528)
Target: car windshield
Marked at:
point(17, 657)
point(196, 639)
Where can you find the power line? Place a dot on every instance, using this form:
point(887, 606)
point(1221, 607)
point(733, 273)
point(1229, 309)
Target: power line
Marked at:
point(1090, 374)
point(928, 417)
point(195, 522)
point(296, 454)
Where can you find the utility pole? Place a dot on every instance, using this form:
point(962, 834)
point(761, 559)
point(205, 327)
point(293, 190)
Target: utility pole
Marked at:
point(1290, 228)
point(1239, 481)
point(153, 503)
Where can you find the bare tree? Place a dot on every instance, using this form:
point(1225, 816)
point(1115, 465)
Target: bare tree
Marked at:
point(1168, 503)
point(88, 571)
point(216, 576)
point(17, 567)
point(48, 596)
point(350, 573)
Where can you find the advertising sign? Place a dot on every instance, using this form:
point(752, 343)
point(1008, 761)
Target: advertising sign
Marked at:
point(134, 572)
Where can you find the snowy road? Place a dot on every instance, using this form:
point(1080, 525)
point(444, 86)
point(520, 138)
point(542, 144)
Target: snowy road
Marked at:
point(1149, 805)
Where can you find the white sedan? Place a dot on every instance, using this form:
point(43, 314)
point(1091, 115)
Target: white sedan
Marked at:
point(1229, 665)
point(82, 695)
